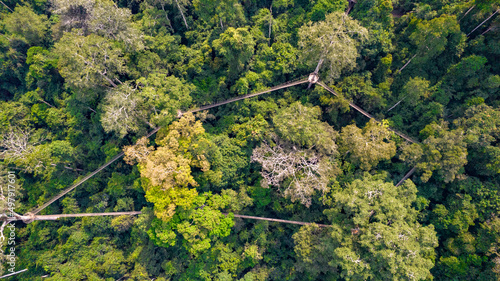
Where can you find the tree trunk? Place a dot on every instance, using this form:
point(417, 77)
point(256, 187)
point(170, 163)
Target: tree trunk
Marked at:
point(270, 22)
point(166, 16)
point(47, 103)
point(182, 14)
point(107, 79)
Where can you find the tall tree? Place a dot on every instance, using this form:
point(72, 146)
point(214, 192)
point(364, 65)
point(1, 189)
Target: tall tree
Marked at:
point(334, 40)
point(368, 146)
point(114, 23)
point(121, 110)
point(432, 37)
point(199, 226)
point(167, 170)
point(89, 61)
point(223, 13)
point(301, 125)
point(26, 24)
point(162, 96)
point(481, 125)
point(236, 46)
point(374, 235)
point(443, 151)
point(103, 18)
point(299, 173)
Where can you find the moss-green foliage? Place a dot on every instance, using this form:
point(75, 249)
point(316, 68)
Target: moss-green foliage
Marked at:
point(82, 79)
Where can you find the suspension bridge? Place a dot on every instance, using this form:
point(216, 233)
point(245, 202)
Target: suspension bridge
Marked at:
point(313, 78)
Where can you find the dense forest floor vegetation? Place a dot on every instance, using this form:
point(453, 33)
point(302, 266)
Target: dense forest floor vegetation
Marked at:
point(84, 80)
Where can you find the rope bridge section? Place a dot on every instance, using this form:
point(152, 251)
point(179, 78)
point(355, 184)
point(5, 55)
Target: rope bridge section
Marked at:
point(87, 177)
point(69, 189)
point(313, 78)
point(279, 87)
point(60, 216)
point(277, 220)
point(360, 110)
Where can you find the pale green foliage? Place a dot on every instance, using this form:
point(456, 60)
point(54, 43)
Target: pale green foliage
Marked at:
point(122, 223)
point(236, 201)
point(109, 21)
point(415, 90)
point(153, 101)
point(301, 125)
point(252, 252)
point(89, 61)
point(431, 37)
point(101, 17)
point(41, 160)
point(121, 110)
point(25, 23)
point(236, 46)
point(443, 151)
point(162, 96)
point(374, 235)
point(26, 148)
point(368, 146)
point(335, 40)
point(70, 206)
point(16, 143)
point(221, 13)
point(66, 6)
point(481, 125)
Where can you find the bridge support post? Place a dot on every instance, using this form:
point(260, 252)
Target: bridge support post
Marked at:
point(28, 218)
point(313, 79)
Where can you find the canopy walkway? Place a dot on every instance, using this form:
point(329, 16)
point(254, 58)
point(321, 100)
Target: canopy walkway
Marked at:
point(279, 87)
point(360, 110)
point(277, 220)
point(64, 192)
point(87, 177)
point(313, 78)
point(13, 273)
point(30, 217)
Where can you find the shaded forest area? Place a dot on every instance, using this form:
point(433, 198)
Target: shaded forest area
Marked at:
point(84, 80)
